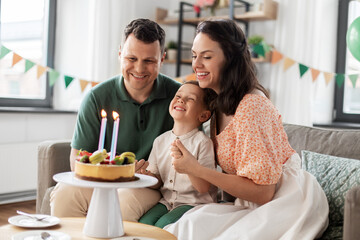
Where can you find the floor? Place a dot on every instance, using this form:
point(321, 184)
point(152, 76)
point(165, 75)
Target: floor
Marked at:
point(8, 210)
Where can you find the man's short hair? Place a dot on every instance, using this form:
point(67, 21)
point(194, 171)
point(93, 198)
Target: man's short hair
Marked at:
point(147, 31)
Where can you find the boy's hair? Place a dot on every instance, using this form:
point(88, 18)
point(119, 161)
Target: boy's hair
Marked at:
point(209, 96)
point(147, 31)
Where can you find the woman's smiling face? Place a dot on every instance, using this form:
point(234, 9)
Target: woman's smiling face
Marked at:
point(207, 61)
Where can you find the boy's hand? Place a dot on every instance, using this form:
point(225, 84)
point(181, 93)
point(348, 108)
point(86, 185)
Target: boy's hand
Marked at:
point(141, 164)
point(146, 172)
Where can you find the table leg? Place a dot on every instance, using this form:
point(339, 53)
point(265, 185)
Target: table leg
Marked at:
point(104, 219)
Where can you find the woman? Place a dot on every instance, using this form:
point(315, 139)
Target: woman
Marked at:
point(275, 199)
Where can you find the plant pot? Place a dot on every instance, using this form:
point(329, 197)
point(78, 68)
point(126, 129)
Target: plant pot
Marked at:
point(171, 54)
point(253, 54)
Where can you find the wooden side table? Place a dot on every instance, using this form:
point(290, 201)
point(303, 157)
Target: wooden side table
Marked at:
point(74, 227)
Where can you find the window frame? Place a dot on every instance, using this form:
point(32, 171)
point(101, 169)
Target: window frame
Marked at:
point(47, 102)
point(339, 115)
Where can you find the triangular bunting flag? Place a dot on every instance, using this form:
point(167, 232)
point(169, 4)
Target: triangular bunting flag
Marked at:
point(328, 76)
point(288, 62)
point(68, 80)
point(275, 57)
point(53, 77)
point(40, 71)
point(314, 73)
point(4, 51)
point(303, 69)
point(28, 65)
point(83, 84)
point(190, 77)
point(16, 59)
point(340, 78)
point(266, 46)
point(93, 84)
point(179, 79)
point(353, 78)
point(259, 49)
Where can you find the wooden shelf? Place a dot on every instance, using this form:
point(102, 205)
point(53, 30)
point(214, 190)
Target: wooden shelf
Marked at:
point(269, 12)
point(170, 61)
point(184, 61)
point(161, 17)
point(267, 58)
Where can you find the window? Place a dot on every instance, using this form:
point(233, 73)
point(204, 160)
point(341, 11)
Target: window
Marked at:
point(347, 97)
point(27, 29)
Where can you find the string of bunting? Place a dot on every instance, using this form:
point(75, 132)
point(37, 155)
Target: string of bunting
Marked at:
point(263, 48)
point(53, 74)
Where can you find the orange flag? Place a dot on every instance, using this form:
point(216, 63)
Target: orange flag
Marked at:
point(275, 57)
point(93, 84)
point(16, 59)
point(190, 77)
point(83, 84)
point(40, 71)
point(314, 73)
point(328, 76)
point(288, 62)
point(179, 79)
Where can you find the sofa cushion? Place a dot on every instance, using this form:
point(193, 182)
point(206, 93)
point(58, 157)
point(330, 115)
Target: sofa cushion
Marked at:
point(336, 176)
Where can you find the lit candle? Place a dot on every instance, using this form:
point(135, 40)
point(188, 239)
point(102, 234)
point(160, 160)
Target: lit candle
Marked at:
point(114, 134)
point(102, 130)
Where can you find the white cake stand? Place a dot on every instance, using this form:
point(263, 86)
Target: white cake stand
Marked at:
point(104, 219)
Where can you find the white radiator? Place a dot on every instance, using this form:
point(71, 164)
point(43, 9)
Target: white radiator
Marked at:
point(20, 134)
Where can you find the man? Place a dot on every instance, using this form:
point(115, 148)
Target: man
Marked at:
point(141, 96)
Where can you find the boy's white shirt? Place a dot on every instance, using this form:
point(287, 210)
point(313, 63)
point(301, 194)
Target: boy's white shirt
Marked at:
point(177, 189)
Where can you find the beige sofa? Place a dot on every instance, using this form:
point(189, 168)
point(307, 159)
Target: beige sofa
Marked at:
point(53, 157)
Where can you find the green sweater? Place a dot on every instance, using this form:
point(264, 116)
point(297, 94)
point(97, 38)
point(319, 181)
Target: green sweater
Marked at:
point(139, 124)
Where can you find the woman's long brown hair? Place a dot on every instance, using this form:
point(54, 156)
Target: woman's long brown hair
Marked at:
point(238, 75)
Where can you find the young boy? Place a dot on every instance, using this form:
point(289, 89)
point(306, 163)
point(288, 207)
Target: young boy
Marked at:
point(190, 107)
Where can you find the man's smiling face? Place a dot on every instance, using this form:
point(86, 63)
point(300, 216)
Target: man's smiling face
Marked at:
point(140, 64)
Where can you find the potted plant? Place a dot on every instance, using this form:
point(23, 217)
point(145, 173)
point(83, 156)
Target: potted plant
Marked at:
point(253, 41)
point(171, 50)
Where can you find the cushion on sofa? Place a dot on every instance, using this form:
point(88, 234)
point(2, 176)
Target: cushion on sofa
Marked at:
point(336, 176)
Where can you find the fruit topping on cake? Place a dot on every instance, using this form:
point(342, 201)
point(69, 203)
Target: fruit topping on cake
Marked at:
point(98, 167)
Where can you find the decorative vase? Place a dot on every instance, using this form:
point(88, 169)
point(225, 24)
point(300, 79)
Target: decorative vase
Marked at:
point(171, 54)
point(223, 3)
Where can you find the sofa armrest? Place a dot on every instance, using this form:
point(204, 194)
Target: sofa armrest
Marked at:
point(53, 158)
point(352, 214)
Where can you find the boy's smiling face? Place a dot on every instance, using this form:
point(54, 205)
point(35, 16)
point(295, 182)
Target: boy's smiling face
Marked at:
point(188, 106)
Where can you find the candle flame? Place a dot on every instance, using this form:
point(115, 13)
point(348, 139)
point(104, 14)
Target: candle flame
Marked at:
point(103, 113)
point(115, 115)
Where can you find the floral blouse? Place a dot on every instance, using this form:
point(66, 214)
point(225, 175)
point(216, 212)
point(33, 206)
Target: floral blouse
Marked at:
point(254, 144)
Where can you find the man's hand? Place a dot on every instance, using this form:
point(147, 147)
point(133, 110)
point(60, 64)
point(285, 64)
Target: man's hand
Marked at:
point(141, 165)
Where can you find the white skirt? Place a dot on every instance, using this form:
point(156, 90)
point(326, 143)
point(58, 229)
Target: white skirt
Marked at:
point(299, 210)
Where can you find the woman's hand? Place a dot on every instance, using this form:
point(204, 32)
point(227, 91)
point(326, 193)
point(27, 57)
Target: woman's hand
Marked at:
point(183, 160)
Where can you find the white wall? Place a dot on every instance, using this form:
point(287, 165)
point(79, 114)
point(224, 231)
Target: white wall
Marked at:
point(20, 134)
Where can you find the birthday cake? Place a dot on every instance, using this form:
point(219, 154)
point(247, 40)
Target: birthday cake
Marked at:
point(98, 167)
